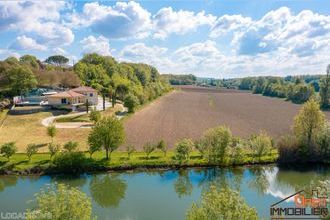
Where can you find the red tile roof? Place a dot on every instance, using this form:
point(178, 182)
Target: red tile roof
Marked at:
point(67, 94)
point(84, 89)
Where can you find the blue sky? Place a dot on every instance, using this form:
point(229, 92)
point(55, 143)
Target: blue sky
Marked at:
point(206, 38)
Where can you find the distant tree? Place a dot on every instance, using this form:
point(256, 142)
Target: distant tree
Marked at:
point(61, 202)
point(20, 80)
point(95, 115)
point(70, 146)
point(51, 131)
point(30, 60)
point(162, 147)
point(148, 148)
point(57, 60)
point(261, 144)
point(108, 133)
point(8, 149)
point(325, 89)
point(53, 149)
point(131, 102)
point(221, 204)
point(308, 123)
point(183, 149)
point(30, 150)
point(216, 142)
point(130, 150)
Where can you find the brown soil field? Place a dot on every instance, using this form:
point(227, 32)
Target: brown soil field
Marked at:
point(189, 111)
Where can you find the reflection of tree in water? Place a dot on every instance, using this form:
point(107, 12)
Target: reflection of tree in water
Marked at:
point(6, 181)
point(73, 181)
point(214, 176)
point(183, 185)
point(259, 180)
point(301, 179)
point(107, 190)
point(237, 177)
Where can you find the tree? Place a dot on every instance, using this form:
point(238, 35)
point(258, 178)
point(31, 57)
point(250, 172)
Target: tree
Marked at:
point(30, 60)
point(131, 102)
point(162, 147)
point(53, 149)
point(92, 149)
point(59, 201)
point(308, 123)
point(95, 115)
point(20, 80)
point(261, 144)
point(57, 60)
point(130, 149)
point(325, 89)
point(108, 133)
point(70, 146)
point(216, 142)
point(8, 149)
point(51, 131)
point(30, 150)
point(221, 204)
point(183, 149)
point(148, 148)
point(323, 141)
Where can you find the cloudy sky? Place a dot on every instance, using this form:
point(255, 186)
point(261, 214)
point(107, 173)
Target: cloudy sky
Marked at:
point(207, 38)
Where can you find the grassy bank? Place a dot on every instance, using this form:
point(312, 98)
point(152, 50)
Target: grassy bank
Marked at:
point(41, 164)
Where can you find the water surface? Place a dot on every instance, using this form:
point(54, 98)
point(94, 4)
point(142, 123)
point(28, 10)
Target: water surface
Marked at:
point(165, 194)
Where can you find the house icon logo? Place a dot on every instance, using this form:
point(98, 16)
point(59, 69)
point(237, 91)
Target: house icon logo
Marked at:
point(312, 204)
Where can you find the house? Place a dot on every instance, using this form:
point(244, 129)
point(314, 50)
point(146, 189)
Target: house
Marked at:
point(89, 92)
point(73, 98)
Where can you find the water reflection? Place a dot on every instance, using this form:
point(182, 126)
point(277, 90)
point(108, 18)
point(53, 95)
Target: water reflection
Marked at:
point(183, 185)
point(73, 181)
point(7, 181)
point(107, 190)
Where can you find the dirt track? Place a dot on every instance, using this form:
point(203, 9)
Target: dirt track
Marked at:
point(191, 111)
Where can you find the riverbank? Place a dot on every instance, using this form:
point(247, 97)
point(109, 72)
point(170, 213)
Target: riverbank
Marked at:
point(41, 164)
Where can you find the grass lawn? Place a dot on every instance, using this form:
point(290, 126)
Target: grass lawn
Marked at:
point(19, 162)
point(27, 129)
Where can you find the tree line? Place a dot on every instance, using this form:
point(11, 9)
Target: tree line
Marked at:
point(136, 82)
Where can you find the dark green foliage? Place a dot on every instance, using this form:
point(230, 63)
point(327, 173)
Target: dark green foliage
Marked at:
point(131, 102)
point(325, 89)
point(180, 79)
point(183, 149)
point(57, 60)
point(70, 162)
point(70, 146)
point(8, 149)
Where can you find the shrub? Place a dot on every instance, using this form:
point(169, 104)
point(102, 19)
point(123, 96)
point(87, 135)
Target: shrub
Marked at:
point(95, 115)
point(162, 147)
point(130, 149)
point(215, 142)
point(131, 102)
point(323, 142)
point(261, 144)
point(8, 149)
point(31, 149)
point(221, 204)
point(183, 149)
point(70, 162)
point(58, 201)
point(53, 149)
point(51, 131)
point(288, 148)
point(71, 146)
point(148, 148)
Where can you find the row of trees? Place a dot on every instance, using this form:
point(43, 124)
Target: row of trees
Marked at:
point(296, 89)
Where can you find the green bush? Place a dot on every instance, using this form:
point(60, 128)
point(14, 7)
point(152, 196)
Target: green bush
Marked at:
point(148, 148)
point(61, 202)
point(288, 148)
point(70, 146)
point(70, 162)
point(8, 149)
point(31, 149)
point(261, 144)
point(53, 149)
point(131, 102)
point(221, 204)
point(95, 115)
point(183, 149)
point(162, 147)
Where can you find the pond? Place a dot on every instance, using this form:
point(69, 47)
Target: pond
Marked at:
point(165, 194)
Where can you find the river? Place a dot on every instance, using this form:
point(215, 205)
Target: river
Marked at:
point(165, 194)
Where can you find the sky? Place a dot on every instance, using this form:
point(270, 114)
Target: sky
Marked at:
point(210, 38)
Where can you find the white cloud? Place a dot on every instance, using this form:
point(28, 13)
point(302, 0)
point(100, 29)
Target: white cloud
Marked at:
point(167, 21)
point(40, 19)
point(123, 20)
point(98, 45)
point(26, 43)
